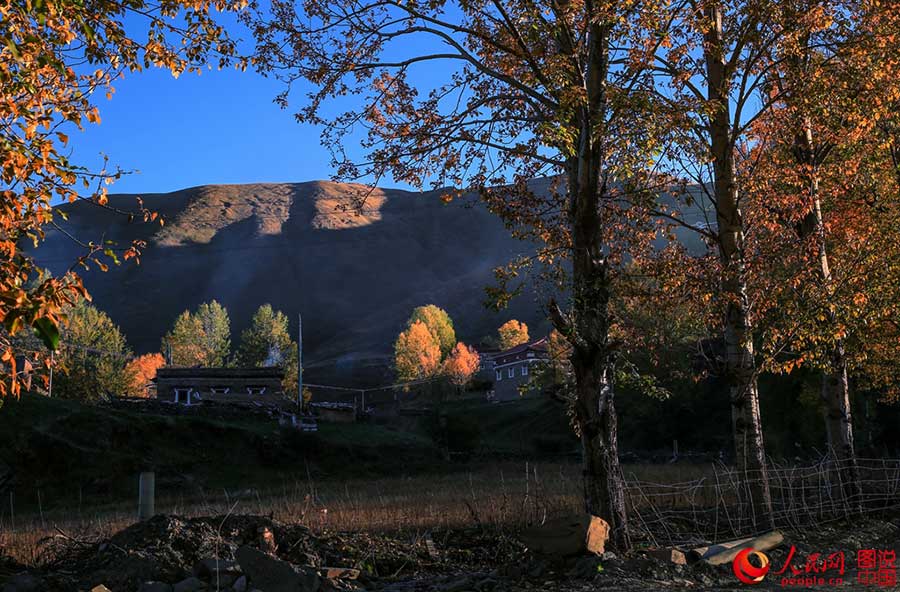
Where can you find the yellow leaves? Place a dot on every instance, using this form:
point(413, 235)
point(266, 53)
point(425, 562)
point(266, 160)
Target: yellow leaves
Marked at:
point(416, 353)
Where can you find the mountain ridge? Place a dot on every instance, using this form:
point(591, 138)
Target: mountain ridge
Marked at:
point(302, 248)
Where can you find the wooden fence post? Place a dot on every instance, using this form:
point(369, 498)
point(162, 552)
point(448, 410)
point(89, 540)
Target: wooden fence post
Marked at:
point(147, 495)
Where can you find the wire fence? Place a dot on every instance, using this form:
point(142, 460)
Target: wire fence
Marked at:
point(721, 506)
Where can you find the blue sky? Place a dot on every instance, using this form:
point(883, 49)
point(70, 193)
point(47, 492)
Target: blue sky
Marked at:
point(219, 127)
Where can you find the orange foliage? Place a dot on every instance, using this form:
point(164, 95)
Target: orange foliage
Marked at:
point(417, 354)
point(461, 364)
point(144, 368)
point(512, 333)
point(47, 89)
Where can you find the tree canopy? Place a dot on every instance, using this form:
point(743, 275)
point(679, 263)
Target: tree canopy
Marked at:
point(201, 338)
point(93, 357)
point(512, 333)
point(439, 324)
point(417, 354)
point(267, 342)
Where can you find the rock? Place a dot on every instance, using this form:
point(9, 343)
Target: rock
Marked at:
point(191, 584)
point(338, 573)
point(669, 555)
point(585, 568)
point(458, 585)
point(273, 575)
point(571, 535)
point(240, 585)
point(267, 540)
point(538, 569)
point(100, 588)
point(23, 583)
point(208, 568)
point(609, 556)
point(155, 587)
point(596, 536)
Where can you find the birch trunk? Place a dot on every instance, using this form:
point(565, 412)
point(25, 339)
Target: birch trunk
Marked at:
point(835, 389)
point(740, 365)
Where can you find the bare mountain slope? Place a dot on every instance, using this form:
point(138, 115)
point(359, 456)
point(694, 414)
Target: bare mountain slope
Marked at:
point(355, 278)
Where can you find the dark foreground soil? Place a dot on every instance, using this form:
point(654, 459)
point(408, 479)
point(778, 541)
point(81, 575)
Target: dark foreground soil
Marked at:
point(168, 549)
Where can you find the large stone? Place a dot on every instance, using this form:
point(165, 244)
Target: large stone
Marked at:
point(208, 568)
point(273, 575)
point(669, 555)
point(100, 588)
point(23, 583)
point(340, 573)
point(596, 536)
point(155, 587)
point(191, 584)
point(240, 585)
point(571, 535)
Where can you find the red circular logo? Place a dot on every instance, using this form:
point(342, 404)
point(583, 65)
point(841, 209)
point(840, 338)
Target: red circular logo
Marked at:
point(746, 571)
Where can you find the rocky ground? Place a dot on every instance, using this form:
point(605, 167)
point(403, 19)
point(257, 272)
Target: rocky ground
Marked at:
point(247, 553)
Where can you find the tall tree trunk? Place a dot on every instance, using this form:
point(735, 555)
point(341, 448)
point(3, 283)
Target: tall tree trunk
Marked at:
point(604, 491)
point(835, 390)
point(740, 363)
point(587, 329)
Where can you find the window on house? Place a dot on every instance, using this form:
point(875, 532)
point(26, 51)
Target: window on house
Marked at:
point(499, 375)
point(511, 372)
point(256, 390)
point(219, 390)
point(183, 395)
point(524, 369)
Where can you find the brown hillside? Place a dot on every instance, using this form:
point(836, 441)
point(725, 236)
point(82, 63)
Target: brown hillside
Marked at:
point(302, 248)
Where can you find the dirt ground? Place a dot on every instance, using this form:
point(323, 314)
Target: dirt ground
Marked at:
point(167, 549)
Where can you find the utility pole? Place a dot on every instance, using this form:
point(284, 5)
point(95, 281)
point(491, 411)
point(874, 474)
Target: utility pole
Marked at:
point(299, 362)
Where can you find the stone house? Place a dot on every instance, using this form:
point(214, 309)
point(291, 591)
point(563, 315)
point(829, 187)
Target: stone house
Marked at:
point(513, 368)
point(192, 386)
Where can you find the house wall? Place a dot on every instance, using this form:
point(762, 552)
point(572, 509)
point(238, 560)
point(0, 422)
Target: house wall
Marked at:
point(506, 388)
point(203, 380)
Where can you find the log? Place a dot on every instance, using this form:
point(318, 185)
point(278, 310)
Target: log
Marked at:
point(725, 552)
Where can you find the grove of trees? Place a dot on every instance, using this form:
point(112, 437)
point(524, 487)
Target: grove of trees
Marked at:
point(766, 130)
point(774, 120)
point(427, 349)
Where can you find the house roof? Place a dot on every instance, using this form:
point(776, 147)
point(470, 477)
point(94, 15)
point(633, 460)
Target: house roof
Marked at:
point(223, 373)
point(539, 346)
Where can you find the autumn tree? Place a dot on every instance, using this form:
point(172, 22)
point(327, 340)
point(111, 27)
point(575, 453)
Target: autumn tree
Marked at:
point(461, 365)
point(530, 90)
point(201, 338)
point(714, 56)
point(512, 333)
point(55, 57)
point(417, 354)
point(267, 335)
point(143, 371)
point(833, 207)
point(267, 342)
point(439, 323)
point(93, 356)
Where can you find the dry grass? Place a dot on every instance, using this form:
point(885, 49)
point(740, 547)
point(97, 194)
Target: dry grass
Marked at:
point(508, 496)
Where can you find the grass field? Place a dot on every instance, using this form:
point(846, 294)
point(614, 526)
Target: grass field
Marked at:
point(76, 470)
